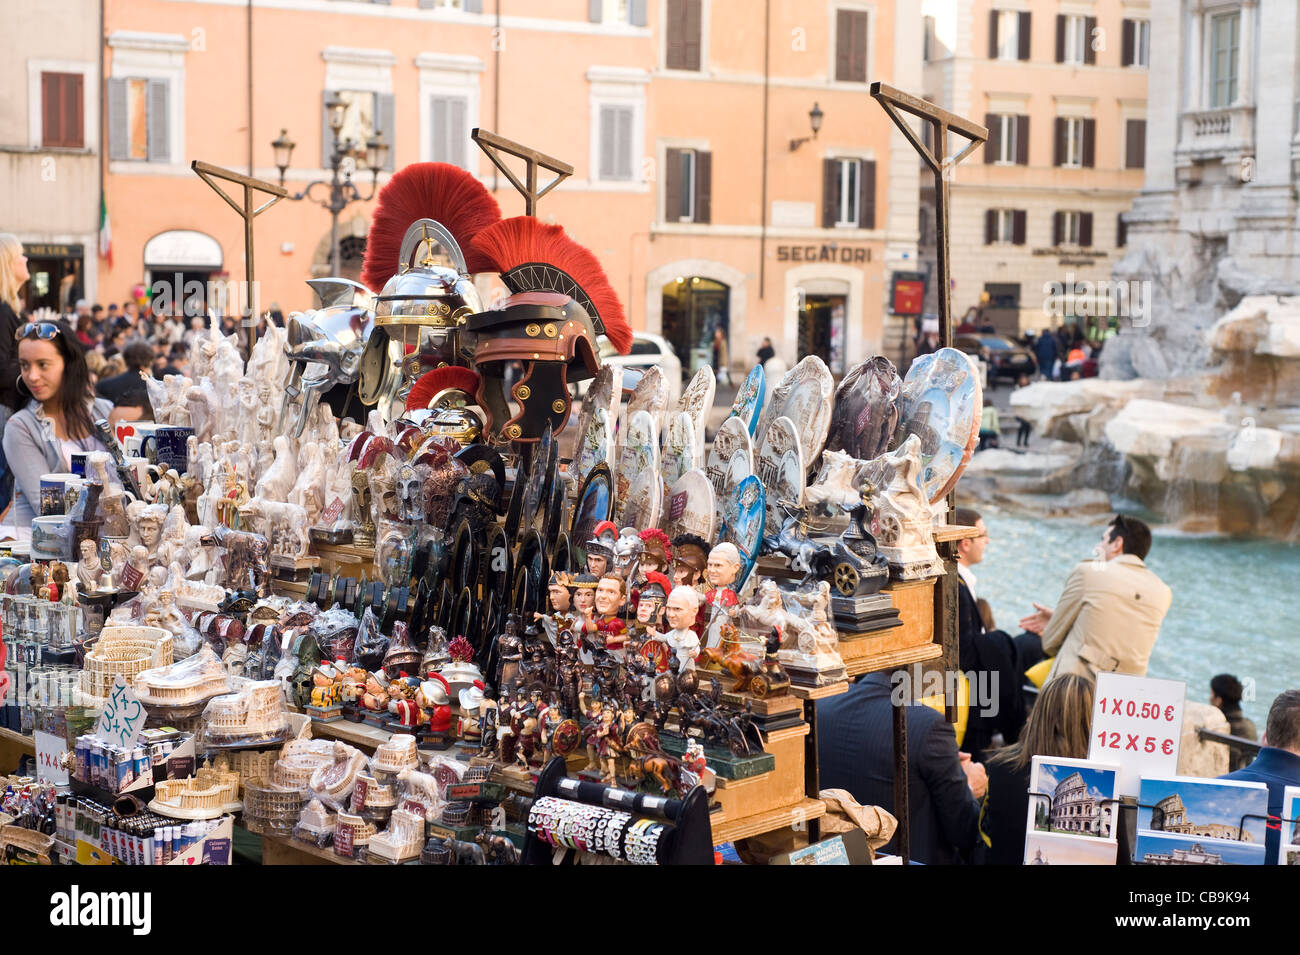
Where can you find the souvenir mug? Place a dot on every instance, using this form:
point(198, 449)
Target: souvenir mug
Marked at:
point(77, 463)
point(131, 435)
point(168, 446)
point(54, 488)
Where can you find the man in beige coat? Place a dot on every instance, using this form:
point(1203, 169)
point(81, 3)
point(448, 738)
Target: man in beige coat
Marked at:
point(1110, 612)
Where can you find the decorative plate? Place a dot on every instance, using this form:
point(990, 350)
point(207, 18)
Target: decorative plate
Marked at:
point(941, 404)
point(639, 455)
point(866, 410)
point(689, 507)
point(679, 451)
point(650, 394)
point(595, 444)
point(731, 440)
point(805, 397)
point(749, 399)
point(744, 518)
point(780, 468)
point(697, 401)
point(540, 478)
point(644, 502)
point(604, 394)
point(595, 504)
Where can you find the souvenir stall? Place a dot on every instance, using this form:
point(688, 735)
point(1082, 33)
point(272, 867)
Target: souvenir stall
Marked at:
point(487, 624)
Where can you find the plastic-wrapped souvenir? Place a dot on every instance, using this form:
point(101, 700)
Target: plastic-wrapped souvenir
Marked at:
point(332, 784)
point(437, 653)
point(189, 683)
point(370, 645)
point(255, 716)
point(394, 553)
point(335, 633)
point(316, 824)
point(402, 655)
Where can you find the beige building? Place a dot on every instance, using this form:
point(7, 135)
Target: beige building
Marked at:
point(49, 145)
point(1035, 215)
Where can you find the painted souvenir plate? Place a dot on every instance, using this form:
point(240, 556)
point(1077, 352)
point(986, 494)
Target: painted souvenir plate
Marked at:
point(689, 507)
point(540, 477)
point(679, 449)
point(605, 392)
point(744, 514)
point(866, 410)
point(731, 440)
point(780, 468)
point(740, 467)
point(650, 394)
point(805, 397)
point(941, 405)
point(596, 444)
point(644, 503)
point(595, 504)
point(697, 401)
point(749, 399)
point(638, 455)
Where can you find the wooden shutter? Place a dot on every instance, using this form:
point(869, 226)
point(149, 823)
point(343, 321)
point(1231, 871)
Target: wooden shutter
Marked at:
point(51, 110)
point(1085, 229)
point(636, 12)
point(843, 45)
point(595, 10)
point(1018, 227)
point(1121, 231)
point(1135, 144)
point(448, 114)
point(830, 192)
point(993, 34)
point(858, 61)
point(703, 186)
point(672, 185)
point(1089, 54)
point(1058, 152)
point(326, 134)
point(691, 34)
point(1024, 35)
point(675, 54)
point(867, 194)
point(1060, 38)
point(992, 148)
point(1089, 143)
point(74, 105)
point(386, 123)
point(990, 226)
point(1056, 229)
point(159, 122)
point(1022, 140)
point(1126, 56)
point(117, 119)
point(623, 153)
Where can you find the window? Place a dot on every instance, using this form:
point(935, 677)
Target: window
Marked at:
point(366, 113)
point(927, 38)
point(1074, 35)
point(1072, 228)
point(1004, 225)
point(851, 46)
point(1008, 139)
point(687, 185)
point(631, 12)
point(450, 135)
point(683, 33)
point(1075, 138)
point(1136, 43)
point(62, 110)
point(616, 124)
point(849, 194)
point(1224, 32)
point(467, 6)
point(139, 119)
point(1135, 143)
point(1008, 35)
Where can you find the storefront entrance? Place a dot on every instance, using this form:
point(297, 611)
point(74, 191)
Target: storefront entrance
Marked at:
point(56, 272)
point(178, 267)
point(693, 309)
point(821, 329)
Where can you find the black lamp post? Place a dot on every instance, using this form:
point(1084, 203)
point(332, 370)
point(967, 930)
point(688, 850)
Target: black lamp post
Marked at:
point(815, 116)
point(342, 190)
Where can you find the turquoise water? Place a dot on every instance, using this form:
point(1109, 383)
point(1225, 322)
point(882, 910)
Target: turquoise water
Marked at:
point(1234, 608)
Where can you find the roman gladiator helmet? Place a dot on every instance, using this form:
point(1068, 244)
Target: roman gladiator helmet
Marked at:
point(417, 253)
point(561, 300)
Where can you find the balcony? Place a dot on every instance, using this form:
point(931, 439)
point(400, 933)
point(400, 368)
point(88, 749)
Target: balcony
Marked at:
point(1214, 135)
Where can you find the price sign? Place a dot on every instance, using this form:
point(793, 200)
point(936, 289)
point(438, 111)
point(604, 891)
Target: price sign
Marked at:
point(331, 513)
point(49, 753)
point(1138, 723)
point(122, 718)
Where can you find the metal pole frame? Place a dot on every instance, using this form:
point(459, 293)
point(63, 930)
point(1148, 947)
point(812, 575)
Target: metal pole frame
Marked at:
point(493, 145)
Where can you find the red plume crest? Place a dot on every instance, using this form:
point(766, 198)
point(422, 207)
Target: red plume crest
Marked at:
point(440, 379)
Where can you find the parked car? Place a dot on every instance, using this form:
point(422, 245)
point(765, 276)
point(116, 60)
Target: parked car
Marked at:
point(647, 350)
point(1005, 358)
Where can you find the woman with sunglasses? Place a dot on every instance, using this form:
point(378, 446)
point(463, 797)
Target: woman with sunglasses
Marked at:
point(60, 416)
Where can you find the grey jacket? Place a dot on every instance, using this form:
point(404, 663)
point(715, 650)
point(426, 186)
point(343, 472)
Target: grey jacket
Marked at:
point(32, 450)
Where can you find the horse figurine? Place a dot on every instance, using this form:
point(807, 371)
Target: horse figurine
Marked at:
point(837, 486)
point(646, 758)
point(806, 557)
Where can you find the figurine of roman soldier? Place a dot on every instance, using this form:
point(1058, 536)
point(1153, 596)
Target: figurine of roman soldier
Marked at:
point(600, 549)
point(559, 592)
point(609, 628)
point(690, 557)
point(510, 652)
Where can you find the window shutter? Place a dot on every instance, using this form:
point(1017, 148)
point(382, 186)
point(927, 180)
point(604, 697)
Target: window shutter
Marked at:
point(607, 134)
point(439, 146)
point(1135, 144)
point(1024, 35)
point(473, 6)
point(993, 148)
point(1018, 227)
point(867, 194)
point(1058, 153)
point(636, 14)
point(1126, 57)
point(993, 34)
point(675, 54)
point(1022, 140)
point(326, 134)
point(624, 143)
point(703, 186)
point(595, 10)
point(117, 148)
point(1089, 143)
point(990, 226)
point(830, 192)
point(858, 61)
point(1089, 54)
point(159, 122)
point(386, 123)
point(691, 44)
point(74, 104)
point(1056, 229)
point(51, 120)
point(843, 45)
point(1060, 38)
point(672, 185)
point(458, 133)
point(426, 4)
point(1121, 231)
point(1085, 229)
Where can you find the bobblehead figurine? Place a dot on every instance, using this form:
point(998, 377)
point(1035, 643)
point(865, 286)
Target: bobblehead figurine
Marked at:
point(722, 570)
point(605, 621)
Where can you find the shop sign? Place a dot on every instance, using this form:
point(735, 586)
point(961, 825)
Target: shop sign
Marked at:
point(907, 297)
point(829, 252)
point(52, 250)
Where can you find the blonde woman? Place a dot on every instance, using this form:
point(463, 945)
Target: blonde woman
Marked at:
point(13, 276)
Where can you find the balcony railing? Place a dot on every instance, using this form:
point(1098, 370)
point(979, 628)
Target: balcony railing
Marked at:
point(1217, 133)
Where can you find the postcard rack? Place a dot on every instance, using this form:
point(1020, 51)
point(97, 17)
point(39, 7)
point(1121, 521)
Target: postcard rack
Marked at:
point(685, 834)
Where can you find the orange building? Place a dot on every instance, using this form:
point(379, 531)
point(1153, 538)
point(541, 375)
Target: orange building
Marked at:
point(699, 180)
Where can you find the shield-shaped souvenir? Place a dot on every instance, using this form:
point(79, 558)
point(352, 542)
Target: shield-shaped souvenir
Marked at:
point(942, 401)
point(690, 507)
point(697, 401)
point(867, 409)
point(540, 476)
point(530, 576)
point(496, 562)
point(650, 394)
point(595, 504)
point(518, 482)
point(560, 554)
point(731, 440)
point(805, 397)
point(419, 609)
point(462, 555)
point(780, 468)
point(462, 618)
point(644, 503)
point(679, 449)
point(745, 517)
point(446, 604)
point(748, 405)
point(557, 514)
point(480, 458)
point(639, 454)
point(566, 737)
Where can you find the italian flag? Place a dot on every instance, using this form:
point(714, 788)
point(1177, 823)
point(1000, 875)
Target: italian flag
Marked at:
point(105, 233)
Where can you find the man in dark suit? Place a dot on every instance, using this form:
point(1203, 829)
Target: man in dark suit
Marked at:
point(855, 742)
point(1277, 765)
